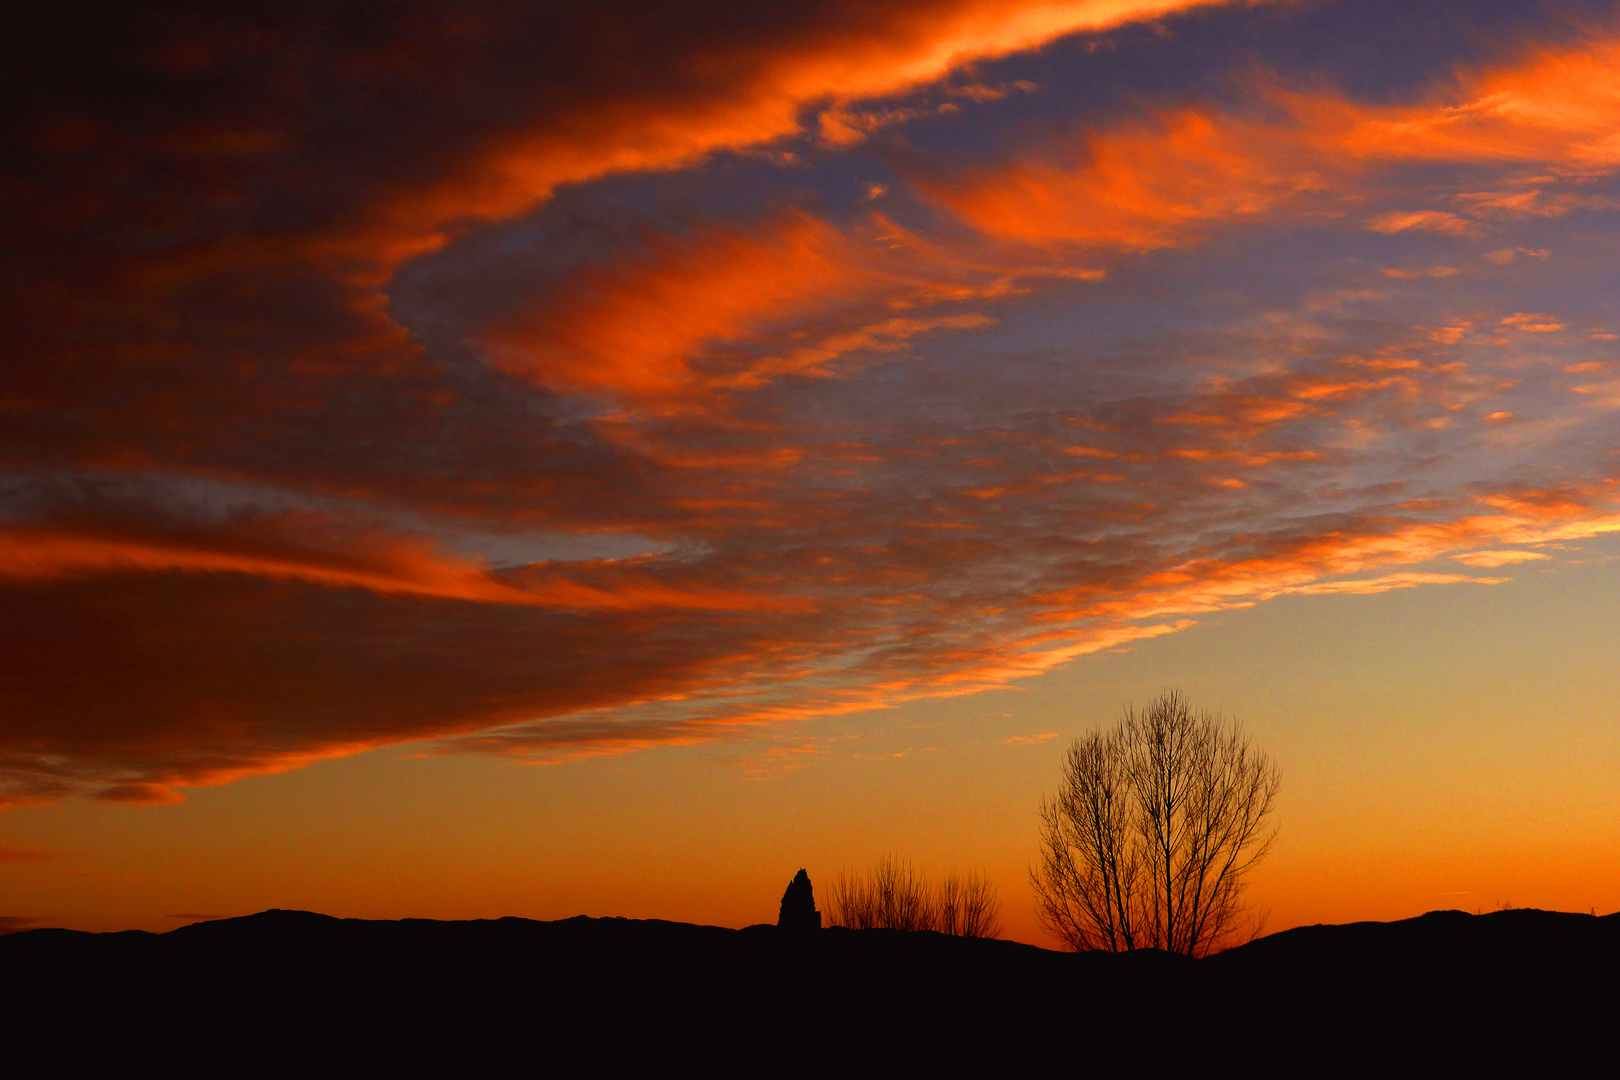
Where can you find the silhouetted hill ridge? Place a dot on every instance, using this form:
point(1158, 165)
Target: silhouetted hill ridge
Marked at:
point(310, 974)
point(1524, 934)
point(1521, 930)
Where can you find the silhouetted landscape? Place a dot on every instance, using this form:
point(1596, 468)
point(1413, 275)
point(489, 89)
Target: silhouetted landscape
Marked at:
point(1094, 481)
point(304, 976)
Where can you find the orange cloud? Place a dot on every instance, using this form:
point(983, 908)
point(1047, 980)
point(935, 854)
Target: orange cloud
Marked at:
point(1491, 559)
point(1533, 324)
point(636, 332)
point(380, 566)
point(1432, 272)
point(1300, 566)
point(1136, 187)
point(1104, 613)
point(731, 310)
point(737, 95)
point(838, 544)
point(44, 553)
point(1166, 179)
point(1440, 221)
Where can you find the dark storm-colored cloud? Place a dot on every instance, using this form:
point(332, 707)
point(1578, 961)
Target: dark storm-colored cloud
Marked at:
point(138, 683)
point(318, 316)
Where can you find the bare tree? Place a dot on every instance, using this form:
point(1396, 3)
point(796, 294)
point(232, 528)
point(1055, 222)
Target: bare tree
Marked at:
point(1153, 832)
point(1087, 888)
point(893, 895)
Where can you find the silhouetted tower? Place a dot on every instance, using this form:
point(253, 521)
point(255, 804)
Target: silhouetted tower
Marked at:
point(799, 905)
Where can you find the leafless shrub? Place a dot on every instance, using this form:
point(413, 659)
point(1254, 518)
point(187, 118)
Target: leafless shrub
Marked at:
point(846, 902)
point(967, 906)
point(894, 895)
point(1153, 832)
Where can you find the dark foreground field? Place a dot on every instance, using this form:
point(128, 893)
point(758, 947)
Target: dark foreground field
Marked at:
point(284, 984)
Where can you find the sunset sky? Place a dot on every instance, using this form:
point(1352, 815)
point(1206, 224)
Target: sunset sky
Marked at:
point(500, 458)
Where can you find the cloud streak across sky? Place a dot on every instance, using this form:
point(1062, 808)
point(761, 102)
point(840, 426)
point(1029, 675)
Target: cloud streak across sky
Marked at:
point(494, 381)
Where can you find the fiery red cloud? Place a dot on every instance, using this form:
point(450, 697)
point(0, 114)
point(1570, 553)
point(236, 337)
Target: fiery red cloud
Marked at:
point(519, 382)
